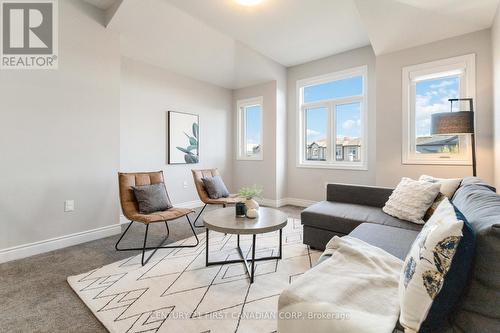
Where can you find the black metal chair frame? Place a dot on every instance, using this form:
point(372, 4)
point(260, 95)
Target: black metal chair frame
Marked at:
point(144, 247)
point(201, 212)
point(198, 216)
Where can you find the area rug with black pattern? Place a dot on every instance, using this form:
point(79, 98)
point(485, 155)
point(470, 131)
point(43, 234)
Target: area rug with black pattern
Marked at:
point(176, 292)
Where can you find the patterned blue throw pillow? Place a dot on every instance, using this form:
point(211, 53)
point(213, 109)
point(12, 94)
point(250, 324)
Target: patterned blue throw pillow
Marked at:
point(436, 270)
point(455, 281)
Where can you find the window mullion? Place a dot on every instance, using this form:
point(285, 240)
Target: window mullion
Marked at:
point(333, 131)
point(303, 133)
point(244, 133)
point(240, 130)
point(261, 130)
point(413, 116)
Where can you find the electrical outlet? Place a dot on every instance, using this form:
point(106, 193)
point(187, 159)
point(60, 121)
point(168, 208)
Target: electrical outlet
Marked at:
point(69, 205)
point(185, 184)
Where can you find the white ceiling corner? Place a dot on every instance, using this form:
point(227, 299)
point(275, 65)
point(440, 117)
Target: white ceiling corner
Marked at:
point(155, 32)
point(102, 4)
point(394, 25)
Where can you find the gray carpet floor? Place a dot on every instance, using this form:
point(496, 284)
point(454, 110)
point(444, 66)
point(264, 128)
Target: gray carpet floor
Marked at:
point(34, 294)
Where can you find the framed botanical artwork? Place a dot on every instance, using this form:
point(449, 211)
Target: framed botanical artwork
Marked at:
point(183, 138)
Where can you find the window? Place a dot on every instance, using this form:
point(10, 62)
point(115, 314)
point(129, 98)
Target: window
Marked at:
point(332, 120)
point(250, 129)
point(426, 90)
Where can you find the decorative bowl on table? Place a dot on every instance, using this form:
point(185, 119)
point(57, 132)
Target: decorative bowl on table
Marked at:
point(252, 206)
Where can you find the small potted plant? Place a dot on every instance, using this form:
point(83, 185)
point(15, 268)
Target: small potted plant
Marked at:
point(249, 193)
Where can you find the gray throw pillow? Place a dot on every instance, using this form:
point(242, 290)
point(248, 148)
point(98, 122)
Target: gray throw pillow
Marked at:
point(152, 198)
point(215, 187)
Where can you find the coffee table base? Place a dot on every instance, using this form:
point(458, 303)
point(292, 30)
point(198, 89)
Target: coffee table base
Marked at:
point(249, 264)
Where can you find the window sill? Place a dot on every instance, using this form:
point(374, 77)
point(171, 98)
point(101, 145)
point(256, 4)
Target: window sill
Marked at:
point(346, 166)
point(440, 161)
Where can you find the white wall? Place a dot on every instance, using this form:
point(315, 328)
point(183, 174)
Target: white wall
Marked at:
point(263, 172)
point(309, 183)
point(281, 138)
point(271, 171)
point(59, 135)
point(495, 39)
point(389, 104)
point(385, 115)
point(147, 93)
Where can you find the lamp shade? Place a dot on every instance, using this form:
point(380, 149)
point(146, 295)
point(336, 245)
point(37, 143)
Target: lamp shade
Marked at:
point(461, 122)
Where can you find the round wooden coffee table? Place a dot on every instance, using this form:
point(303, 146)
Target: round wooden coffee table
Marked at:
point(224, 220)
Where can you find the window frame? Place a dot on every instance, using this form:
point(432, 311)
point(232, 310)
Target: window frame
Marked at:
point(465, 66)
point(241, 106)
point(331, 104)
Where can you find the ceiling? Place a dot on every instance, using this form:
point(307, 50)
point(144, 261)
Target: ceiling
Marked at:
point(399, 24)
point(290, 32)
point(230, 45)
point(102, 4)
point(156, 32)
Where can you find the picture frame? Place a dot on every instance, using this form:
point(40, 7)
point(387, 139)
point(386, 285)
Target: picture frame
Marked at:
point(183, 145)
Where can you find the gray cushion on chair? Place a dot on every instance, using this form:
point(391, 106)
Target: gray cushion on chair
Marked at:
point(215, 187)
point(152, 198)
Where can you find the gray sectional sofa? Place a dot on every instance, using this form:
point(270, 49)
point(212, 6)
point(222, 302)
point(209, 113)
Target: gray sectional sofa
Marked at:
point(357, 211)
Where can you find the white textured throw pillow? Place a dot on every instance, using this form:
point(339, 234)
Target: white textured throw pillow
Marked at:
point(411, 199)
point(426, 265)
point(448, 185)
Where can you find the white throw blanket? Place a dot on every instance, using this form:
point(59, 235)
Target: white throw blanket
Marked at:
point(354, 291)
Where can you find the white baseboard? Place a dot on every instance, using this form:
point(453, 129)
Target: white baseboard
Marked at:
point(286, 201)
point(190, 204)
point(268, 202)
point(299, 202)
point(27, 250)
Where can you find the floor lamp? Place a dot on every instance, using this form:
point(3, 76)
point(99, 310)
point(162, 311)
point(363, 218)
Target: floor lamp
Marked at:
point(458, 122)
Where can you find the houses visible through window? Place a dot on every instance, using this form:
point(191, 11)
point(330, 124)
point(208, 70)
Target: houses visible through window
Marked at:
point(348, 139)
point(426, 90)
point(250, 129)
point(332, 120)
point(316, 129)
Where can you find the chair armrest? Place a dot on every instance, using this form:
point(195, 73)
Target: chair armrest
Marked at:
point(358, 194)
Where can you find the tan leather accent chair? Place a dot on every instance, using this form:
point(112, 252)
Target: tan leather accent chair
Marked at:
point(130, 209)
point(198, 175)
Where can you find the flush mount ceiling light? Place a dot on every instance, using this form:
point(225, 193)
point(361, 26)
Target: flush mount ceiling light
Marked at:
point(248, 2)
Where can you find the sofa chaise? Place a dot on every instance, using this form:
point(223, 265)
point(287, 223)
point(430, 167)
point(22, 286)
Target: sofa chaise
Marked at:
point(357, 211)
